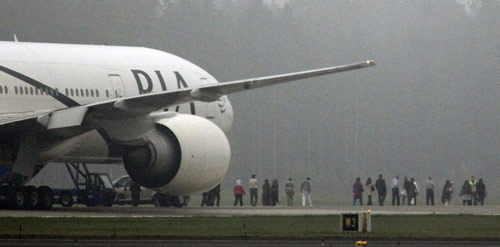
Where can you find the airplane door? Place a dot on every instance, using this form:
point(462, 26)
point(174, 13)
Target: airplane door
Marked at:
point(210, 105)
point(117, 84)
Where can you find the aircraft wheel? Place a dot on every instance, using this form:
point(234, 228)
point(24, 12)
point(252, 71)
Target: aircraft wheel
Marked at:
point(20, 198)
point(176, 201)
point(66, 199)
point(45, 198)
point(5, 195)
point(31, 197)
point(156, 201)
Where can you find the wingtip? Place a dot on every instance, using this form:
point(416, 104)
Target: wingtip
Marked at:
point(370, 63)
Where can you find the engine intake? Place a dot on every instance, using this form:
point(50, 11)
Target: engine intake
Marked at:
point(184, 154)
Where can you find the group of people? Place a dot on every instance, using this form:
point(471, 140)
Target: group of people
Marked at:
point(472, 192)
point(270, 192)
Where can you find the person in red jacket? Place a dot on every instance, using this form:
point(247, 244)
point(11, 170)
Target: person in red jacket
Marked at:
point(239, 192)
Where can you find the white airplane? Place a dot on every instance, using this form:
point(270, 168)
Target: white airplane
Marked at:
point(162, 116)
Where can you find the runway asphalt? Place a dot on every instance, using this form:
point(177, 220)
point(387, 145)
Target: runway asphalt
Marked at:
point(150, 211)
point(239, 243)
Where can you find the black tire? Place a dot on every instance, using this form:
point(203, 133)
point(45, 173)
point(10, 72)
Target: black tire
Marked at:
point(5, 193)
point(156, 201)
point(45, 198)
point(175, 201)
point(32, 197)
point(66, 199)
point(19, 198)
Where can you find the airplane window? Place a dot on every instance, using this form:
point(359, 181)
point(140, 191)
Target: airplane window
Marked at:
point(107, 94)
point(71, 90)
point(15, 89)
point(92, 93)
point(26, 90)
point(31, 91)
point(36, 90)
point(77, 92)
point(20, 90)
point(87, 92)
point(81, 92)
point(66, 91)
point(6, 90)
point(1, 90)
point(97, 93)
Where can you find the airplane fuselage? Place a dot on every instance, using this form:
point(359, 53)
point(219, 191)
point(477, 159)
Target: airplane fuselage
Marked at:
point(37, 77)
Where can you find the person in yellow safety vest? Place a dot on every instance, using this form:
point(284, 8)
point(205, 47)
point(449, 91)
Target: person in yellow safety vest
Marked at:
point(473, 185)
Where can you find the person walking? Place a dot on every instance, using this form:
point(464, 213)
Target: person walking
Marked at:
point(473, 187)
point(466, 193)
point(135, 190)
point(381, 190)
point(447, 191)
point(357, 190)
point(239, 192)
point(305, 188)
point(429, 192)
point(370, 189)
point(395, 190)
point(266, 193)
point(481, 192)
point(275, 193)
point(253, 190)
point(289, 192)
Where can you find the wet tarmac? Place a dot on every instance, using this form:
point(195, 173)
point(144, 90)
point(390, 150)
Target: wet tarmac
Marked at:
point(151, 211)
point(239, 243)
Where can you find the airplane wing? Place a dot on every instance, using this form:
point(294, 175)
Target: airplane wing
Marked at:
point(146, 103)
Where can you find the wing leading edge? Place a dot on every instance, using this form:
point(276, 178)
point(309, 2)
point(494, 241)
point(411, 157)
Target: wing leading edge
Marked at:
point(146, 103)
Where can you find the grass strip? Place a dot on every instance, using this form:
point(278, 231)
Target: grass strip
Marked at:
point(432, 227)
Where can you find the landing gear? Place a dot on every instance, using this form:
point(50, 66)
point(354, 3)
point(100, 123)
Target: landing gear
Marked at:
point(31, 197)
point(161, 200)
point(45, 198)
point(25, 197)
point(20, 197)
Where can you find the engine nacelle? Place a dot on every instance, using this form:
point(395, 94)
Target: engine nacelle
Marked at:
point(184, 154)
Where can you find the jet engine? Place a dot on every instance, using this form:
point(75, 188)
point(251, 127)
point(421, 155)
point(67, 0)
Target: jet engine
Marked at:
point(183, 154)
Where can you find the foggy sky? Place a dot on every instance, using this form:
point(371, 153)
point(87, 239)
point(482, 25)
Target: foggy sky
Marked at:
point(431, 106)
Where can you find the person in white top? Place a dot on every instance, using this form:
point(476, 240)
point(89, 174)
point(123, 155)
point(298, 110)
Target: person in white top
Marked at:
point(414, 192)
point(395, 191)
point(429, 192)
point(253, 190)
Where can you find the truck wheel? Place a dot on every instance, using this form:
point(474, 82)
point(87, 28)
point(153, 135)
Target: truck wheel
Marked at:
point(31, 197)
point(66, 199)
point(45, 198)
